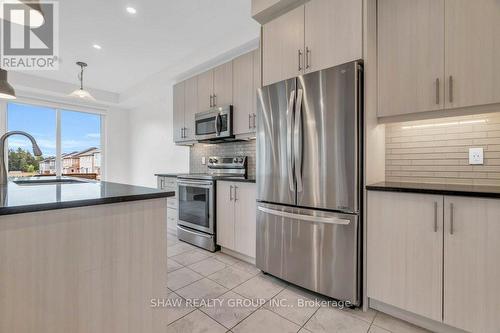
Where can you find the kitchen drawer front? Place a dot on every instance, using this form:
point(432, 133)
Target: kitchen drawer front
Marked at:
point(167, 183)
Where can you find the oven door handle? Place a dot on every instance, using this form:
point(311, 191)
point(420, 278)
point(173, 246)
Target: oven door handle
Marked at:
point(197, 184)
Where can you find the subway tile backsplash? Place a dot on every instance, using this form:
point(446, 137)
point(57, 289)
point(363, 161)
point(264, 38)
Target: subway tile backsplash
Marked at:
point(437, 151)
point(241, 148)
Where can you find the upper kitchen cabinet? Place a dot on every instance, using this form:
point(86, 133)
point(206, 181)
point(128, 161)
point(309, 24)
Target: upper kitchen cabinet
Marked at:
point(333, 33)
point(178, 111)
point(410, 56)
point(246, 81)
point(437, 54)
point(311, 37)
point(223, 85)
point(185, 106)
point(215, 87)
point(205, 91)
point(283, 47)
point(472, 52)
point(191, 107)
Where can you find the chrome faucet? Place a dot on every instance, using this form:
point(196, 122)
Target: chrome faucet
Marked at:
point(3, 166)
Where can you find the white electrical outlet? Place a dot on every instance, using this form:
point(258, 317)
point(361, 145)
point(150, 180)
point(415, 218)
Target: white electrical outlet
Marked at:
point(476, 156)
point(203, 160)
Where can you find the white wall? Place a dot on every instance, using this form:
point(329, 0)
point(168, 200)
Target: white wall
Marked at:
point(117, 146)
point(152, 149)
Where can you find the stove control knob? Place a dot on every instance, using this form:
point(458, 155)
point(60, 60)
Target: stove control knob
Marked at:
point(240, 160)
point(235, 160)
point(210, 161)
point(215, 160)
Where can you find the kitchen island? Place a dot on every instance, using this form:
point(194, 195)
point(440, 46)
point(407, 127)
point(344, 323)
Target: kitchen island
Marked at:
point(82, 256)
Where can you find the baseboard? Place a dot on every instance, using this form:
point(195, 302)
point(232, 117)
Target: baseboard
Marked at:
point(238, 255)
point(423, 322)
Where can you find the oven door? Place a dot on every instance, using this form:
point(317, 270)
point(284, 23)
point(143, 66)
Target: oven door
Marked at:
point(196, 204)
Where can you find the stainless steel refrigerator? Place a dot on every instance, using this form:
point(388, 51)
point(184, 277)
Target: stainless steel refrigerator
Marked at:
point(309, 181)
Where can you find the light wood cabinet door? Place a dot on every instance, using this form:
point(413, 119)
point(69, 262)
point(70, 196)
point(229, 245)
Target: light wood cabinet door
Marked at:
point(245, 219)
point(405, 251)
point(205, 91)
point(223, 84)
point(283, 47)
point(471, 264)
point(190, 108)
point(225, 214)
point(243, 94)
point(472, 52)
point(178, 112)
point(333, 33)
point(410, 56)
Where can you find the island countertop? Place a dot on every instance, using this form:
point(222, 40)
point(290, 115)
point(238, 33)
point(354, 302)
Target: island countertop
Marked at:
point(17, 199)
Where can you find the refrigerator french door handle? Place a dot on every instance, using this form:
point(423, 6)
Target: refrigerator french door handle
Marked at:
point(289, 142)
point(309, 218)
point(297, 137)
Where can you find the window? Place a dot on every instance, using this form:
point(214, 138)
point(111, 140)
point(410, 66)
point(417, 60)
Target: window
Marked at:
point(81, 144)
point(77, 148)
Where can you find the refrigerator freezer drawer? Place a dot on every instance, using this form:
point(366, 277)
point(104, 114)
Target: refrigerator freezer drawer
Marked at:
point(313, 249)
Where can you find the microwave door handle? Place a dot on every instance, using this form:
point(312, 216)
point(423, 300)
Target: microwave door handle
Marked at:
point(297, 145)
point(217, 123)
point(289, 142)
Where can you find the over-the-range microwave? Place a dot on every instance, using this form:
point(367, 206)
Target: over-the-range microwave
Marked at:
point(215, 124)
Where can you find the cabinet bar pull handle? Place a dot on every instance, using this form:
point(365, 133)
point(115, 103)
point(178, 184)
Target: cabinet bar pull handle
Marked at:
point(452, 218)
point(254, 120)
point(300, 60)
point(215, 100)
point(211, 100)
point(435, 216)
point(182, 132)
point(451, 89)
point(249, 121)
point(437, 91)
point(231, 193)
point(308, 53)
point(235, 192)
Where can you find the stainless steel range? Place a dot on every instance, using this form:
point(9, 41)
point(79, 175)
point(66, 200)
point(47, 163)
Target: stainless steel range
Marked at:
point(196, 200)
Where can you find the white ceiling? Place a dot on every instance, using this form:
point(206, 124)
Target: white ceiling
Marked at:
point(163, 35)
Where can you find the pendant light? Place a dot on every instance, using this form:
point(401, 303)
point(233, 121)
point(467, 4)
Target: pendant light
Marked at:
point(6, 90)
point(81, 93)
point(37, 18)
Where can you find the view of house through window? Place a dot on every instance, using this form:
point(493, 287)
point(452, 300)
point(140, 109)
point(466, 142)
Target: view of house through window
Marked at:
point(80, 142)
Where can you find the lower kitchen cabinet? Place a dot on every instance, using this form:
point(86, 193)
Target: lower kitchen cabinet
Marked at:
point(436, 256)
point(170, 184)
point(236, 207)
point(472, 264)
point(404, 256)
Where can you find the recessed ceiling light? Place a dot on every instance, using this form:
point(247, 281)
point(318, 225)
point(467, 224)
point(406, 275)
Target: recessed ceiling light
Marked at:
point(131, 10)
point(97, 46)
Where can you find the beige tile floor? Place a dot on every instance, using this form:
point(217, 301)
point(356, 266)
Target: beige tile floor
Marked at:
point(214, 292)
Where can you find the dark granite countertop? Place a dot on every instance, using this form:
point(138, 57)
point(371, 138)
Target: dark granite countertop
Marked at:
point(16, 199)
point(172, 175)
point(239, 180)
point(441, 189)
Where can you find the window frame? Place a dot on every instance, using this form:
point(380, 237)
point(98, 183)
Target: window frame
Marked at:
point(58, 108)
